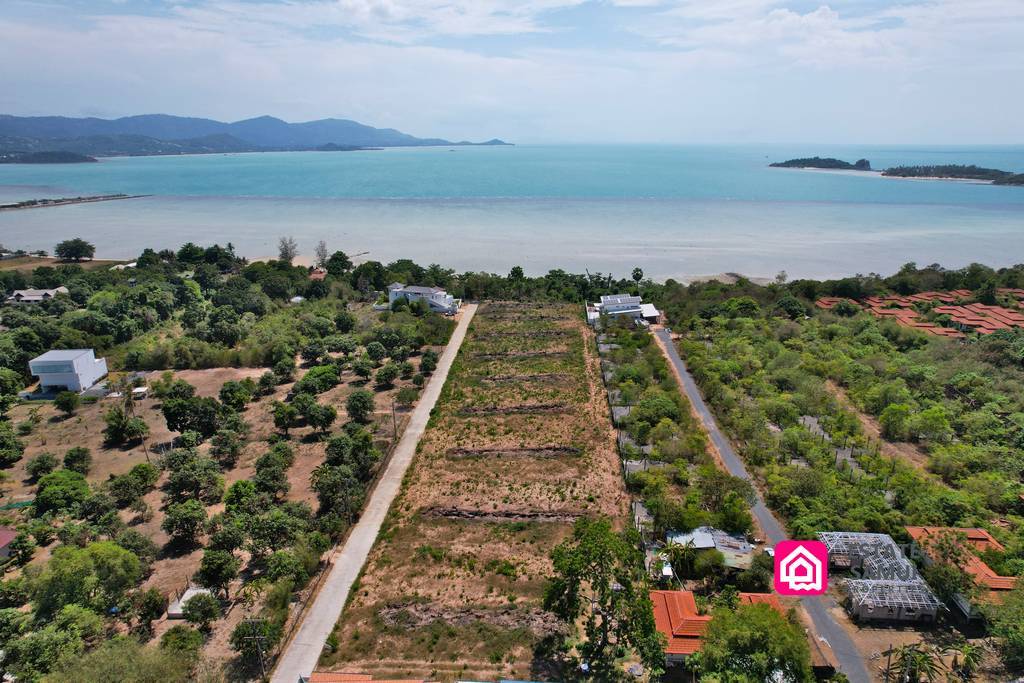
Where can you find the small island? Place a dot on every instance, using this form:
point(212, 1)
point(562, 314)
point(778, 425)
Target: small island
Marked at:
point(825, 163)
point(53, 157)
point(957, 172)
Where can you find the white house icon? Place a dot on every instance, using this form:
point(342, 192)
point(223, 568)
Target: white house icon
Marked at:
point(801, 570)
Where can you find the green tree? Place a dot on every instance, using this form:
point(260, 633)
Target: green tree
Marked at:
point(60, 491)
point(387, 375)
point(75, 249)
point(285, 416)
point(217, 570)
point(599, 577)
point(67, 402)
point(96, 576)
point(753, 643)
point(22, 548)
point(184, 521)
point(1007, 619)
point(428, 362)
point(201, 610)
point(638, 275)
point(124, 659)
point(915, 663)
point(359, 405)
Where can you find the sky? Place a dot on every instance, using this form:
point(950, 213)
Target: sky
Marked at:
point(542, 71)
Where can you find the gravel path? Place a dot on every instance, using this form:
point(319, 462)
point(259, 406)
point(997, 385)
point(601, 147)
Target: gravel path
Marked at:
point(303, 652)
point(850, 660)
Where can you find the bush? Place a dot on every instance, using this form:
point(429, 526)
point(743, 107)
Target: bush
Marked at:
point(78, 459)
point(67, 402)
point(44, 463)
point(181, 638)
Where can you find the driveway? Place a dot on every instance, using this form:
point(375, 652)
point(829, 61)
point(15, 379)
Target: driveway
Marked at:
point(850, 661)
point(302, 653)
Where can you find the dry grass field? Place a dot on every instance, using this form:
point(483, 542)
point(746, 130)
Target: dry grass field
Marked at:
point(519, 446)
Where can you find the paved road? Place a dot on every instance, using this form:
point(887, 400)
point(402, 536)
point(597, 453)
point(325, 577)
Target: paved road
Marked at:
point(301, 656)
point(850, 660)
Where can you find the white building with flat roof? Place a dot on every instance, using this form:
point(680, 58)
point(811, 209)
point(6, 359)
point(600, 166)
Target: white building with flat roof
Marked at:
point(622, 305)
point(71, 369)
point(437, 299)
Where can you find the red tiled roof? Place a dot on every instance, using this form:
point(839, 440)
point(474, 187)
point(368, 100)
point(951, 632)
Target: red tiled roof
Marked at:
point(980, 540)
point(676, 616)
point(7, 534)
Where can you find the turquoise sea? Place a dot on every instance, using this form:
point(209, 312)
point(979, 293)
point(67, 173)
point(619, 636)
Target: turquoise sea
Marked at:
point(675, 211)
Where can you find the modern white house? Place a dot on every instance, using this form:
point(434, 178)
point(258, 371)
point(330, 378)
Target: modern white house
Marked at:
point(70, 369)
point(34, 296)
point(437, 299)
point(622, 305)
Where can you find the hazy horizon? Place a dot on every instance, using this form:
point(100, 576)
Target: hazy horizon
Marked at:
point(537, 71)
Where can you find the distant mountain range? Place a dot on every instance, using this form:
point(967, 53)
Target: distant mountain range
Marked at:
point(164, 134)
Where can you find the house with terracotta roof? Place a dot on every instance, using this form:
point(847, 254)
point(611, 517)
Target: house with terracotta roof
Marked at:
point(7, 534)
point(993, 586)
point(677, 618)
point(318, 274)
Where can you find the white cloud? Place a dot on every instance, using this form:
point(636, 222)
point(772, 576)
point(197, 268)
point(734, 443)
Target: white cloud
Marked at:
point(692, 71)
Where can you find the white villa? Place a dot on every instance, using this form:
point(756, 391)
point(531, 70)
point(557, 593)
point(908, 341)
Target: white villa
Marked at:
point(70, 369)
point(34, 296)
point(622, 305)
point(438, 299)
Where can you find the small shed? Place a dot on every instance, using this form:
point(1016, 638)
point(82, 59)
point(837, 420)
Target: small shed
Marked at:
point(139, 393)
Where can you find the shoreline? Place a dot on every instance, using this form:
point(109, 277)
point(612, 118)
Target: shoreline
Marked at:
point(66, 201)
point(881, 174)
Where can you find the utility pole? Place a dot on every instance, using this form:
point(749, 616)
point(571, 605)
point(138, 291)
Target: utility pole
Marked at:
point(394, 424)
point(259, 639)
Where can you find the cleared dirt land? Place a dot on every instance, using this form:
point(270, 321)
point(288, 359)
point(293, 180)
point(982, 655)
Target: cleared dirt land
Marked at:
point(454, 585)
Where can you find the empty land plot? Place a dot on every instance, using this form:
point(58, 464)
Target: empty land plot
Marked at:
point(453, 588)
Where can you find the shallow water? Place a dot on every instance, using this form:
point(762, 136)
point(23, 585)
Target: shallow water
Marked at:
point(671, 210)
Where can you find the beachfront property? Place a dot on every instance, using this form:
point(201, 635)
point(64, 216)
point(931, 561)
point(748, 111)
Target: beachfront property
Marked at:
point(436, 298)
point(68, 369)
point(34, 296)
point(887, 586)
point(737, 552)
point(991, 585)
point(676, 616)
point(622, 305)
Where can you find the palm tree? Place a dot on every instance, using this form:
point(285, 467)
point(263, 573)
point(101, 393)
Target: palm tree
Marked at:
point(966, 660)
point(682, 557)
point(915, 664)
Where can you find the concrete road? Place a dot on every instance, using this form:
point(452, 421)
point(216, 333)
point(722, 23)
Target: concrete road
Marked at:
point(303, 652)
point(850, 661)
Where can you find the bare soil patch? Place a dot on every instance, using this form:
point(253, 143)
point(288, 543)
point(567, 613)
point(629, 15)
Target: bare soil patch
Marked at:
point(542, 452)
point(538, 377)
point(505, 516)
point(527, 408)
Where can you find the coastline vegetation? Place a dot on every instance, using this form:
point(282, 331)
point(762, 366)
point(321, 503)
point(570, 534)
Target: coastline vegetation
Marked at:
point(826, 163)
point(848, 423)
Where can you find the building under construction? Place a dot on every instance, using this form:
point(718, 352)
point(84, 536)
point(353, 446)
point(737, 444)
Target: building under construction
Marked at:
point(885, 585)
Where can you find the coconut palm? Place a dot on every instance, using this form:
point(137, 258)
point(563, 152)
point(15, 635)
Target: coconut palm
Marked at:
point(915, 664)
point(682, 557)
